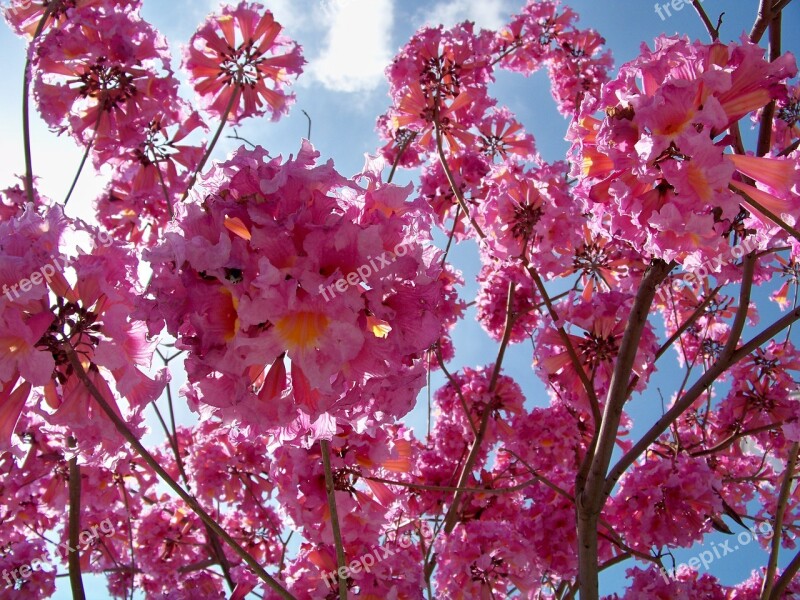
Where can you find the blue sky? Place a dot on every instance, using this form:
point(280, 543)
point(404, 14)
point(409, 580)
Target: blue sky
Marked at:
point(348, 43)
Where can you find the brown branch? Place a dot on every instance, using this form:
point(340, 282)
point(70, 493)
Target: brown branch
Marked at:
point(712, 31)
point(576, 362)
point(762, 21)
point(790, 148)
point(449, 488)
point(589, 498)
point(727, 442)
point(85, 156)
point(688, 323)
point(449, 175)
point(767, 212)
point(73, 548)
point(768, 114)
point(457, 389)
point(330, 491)
point(786, 578)
point(308, 135)
point(777, 528)
point(700, 386)
point(214, 140)
point(451, 517)
point(26, 119)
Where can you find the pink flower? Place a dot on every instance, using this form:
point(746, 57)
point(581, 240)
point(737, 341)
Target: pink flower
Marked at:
point(438, 79)
point(666, 501)
point(99, 72)
point(25, 16)
point(91, 315)
point(239, 59)
point(602, 321)
point(492, 300)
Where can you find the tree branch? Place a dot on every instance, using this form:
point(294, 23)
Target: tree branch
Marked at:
point(768, 114)
point(786, 578)
point(26, 103)
point(215, 139)
point(762, 21)
point(589, 498)
point(123, 429)
point(452, 513)
point(694, 392)
point(777, 528)
point(73, 551)
point(712, 31)
point(330, 490)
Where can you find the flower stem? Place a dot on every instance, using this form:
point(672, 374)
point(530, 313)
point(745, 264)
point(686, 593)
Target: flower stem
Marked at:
point(451, 518)
point(210, 149)
point(26, 123)
point(85, 157)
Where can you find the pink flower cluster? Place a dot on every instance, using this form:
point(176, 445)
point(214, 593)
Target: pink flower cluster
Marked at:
point(299, 394)
point(653, 167)
point(237, 280)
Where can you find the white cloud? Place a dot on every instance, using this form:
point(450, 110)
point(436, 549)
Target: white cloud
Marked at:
point(489, 14)
point(357, 45)
point(292, 14)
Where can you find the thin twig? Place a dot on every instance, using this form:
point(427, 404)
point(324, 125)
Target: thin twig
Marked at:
point(452, 235)
point(452, 488)
point(401, 149)
point(308, 137)
point(451, 517)
point(766, 212)
point(576, 362)
point(712, 31)
point(451, 180)
point(170, 209)
point(457, 389)
point(236, 136)
point(85, 156)
point(768, 113)
point(210, 149)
